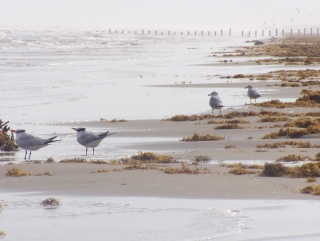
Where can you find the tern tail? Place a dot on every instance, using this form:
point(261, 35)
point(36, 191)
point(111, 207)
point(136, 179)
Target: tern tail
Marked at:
point(51, 139)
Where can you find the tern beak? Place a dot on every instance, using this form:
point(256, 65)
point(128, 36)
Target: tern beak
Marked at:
point(13, 131)
point(74, 128)
point(209, 94)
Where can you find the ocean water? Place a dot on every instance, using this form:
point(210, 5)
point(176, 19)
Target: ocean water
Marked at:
point(60, 74)
point(145, 218)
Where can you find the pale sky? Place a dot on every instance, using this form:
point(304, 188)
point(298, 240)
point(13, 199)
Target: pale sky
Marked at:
point(165, 14)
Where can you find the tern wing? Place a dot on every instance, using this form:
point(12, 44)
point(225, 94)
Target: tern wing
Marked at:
point(253, 93)
point(215, 101)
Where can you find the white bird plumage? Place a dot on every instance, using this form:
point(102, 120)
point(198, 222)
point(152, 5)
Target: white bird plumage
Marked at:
point(30, 143)
point(90, 139)
point(215, 101)
point(252, 93)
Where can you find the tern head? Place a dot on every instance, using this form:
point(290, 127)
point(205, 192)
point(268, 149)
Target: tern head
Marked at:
point(17, 131)
point(249, 87)
point(79, 129)
point(213, 93)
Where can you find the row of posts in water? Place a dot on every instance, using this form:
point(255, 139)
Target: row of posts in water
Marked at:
point(221, 33)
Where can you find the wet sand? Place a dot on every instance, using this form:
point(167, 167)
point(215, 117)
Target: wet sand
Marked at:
point(77, 179)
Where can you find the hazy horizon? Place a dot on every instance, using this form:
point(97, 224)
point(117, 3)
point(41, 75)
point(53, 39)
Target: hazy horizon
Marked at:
point(164, 14)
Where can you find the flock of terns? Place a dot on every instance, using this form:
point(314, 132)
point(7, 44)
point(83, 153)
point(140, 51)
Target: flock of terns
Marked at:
point(88, 139)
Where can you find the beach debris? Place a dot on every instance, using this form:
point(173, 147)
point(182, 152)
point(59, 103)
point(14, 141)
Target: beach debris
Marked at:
point(311, 179)
point(50, 160)
point(185, 169)
point(149, 157)
point(310, 169)
point(2, 233)
point(201, 159)
point(113, 120)
point(17, 172)
point(199, 137)
point(294, 158)
point(294, 144)
point(7, 142)
point(1, 207)
point(313, 190)
point(51, 202)
point(258, 42)
point(228, 126)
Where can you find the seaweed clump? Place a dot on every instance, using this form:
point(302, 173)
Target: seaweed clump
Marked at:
point(199, 137)
point(51, 202)
point(7, 142)
point(17, 172)
point(313, 190)
point(279, 170)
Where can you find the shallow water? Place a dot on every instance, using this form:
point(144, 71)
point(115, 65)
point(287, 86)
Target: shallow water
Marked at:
point(142, 218)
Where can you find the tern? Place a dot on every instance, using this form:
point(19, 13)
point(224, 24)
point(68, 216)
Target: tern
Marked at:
point(252, 93)
point(30, 142)
point(90, 139)
point(215, 101)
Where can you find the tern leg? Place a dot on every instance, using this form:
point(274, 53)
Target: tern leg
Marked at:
point(86, 150)
point(25, 156)
point(93, 151)
point(29, 155)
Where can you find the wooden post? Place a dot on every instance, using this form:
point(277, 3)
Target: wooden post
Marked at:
point(168, 32)
point(282, 32)
point(201, 33)
point(255, 33)
point(304, 31)
point(122, 31)
point(242, 33)
point(262, 33)
point(209, 33)
point(215, 33)
point(221, 32)
point(249, 34)
point(291, 32)
point(161, 33)
point(109, 30)
point(311, 31)
point(317, 31)
point(149, 32)
point(195, 32)
point(188, 33)
point(181, 33)
point(276, 32)
point(298, 32)
point(156, 32)
point(135, 32)
point(230, 32)
point(269, 33)
point(116, 31)
point(142, 31)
